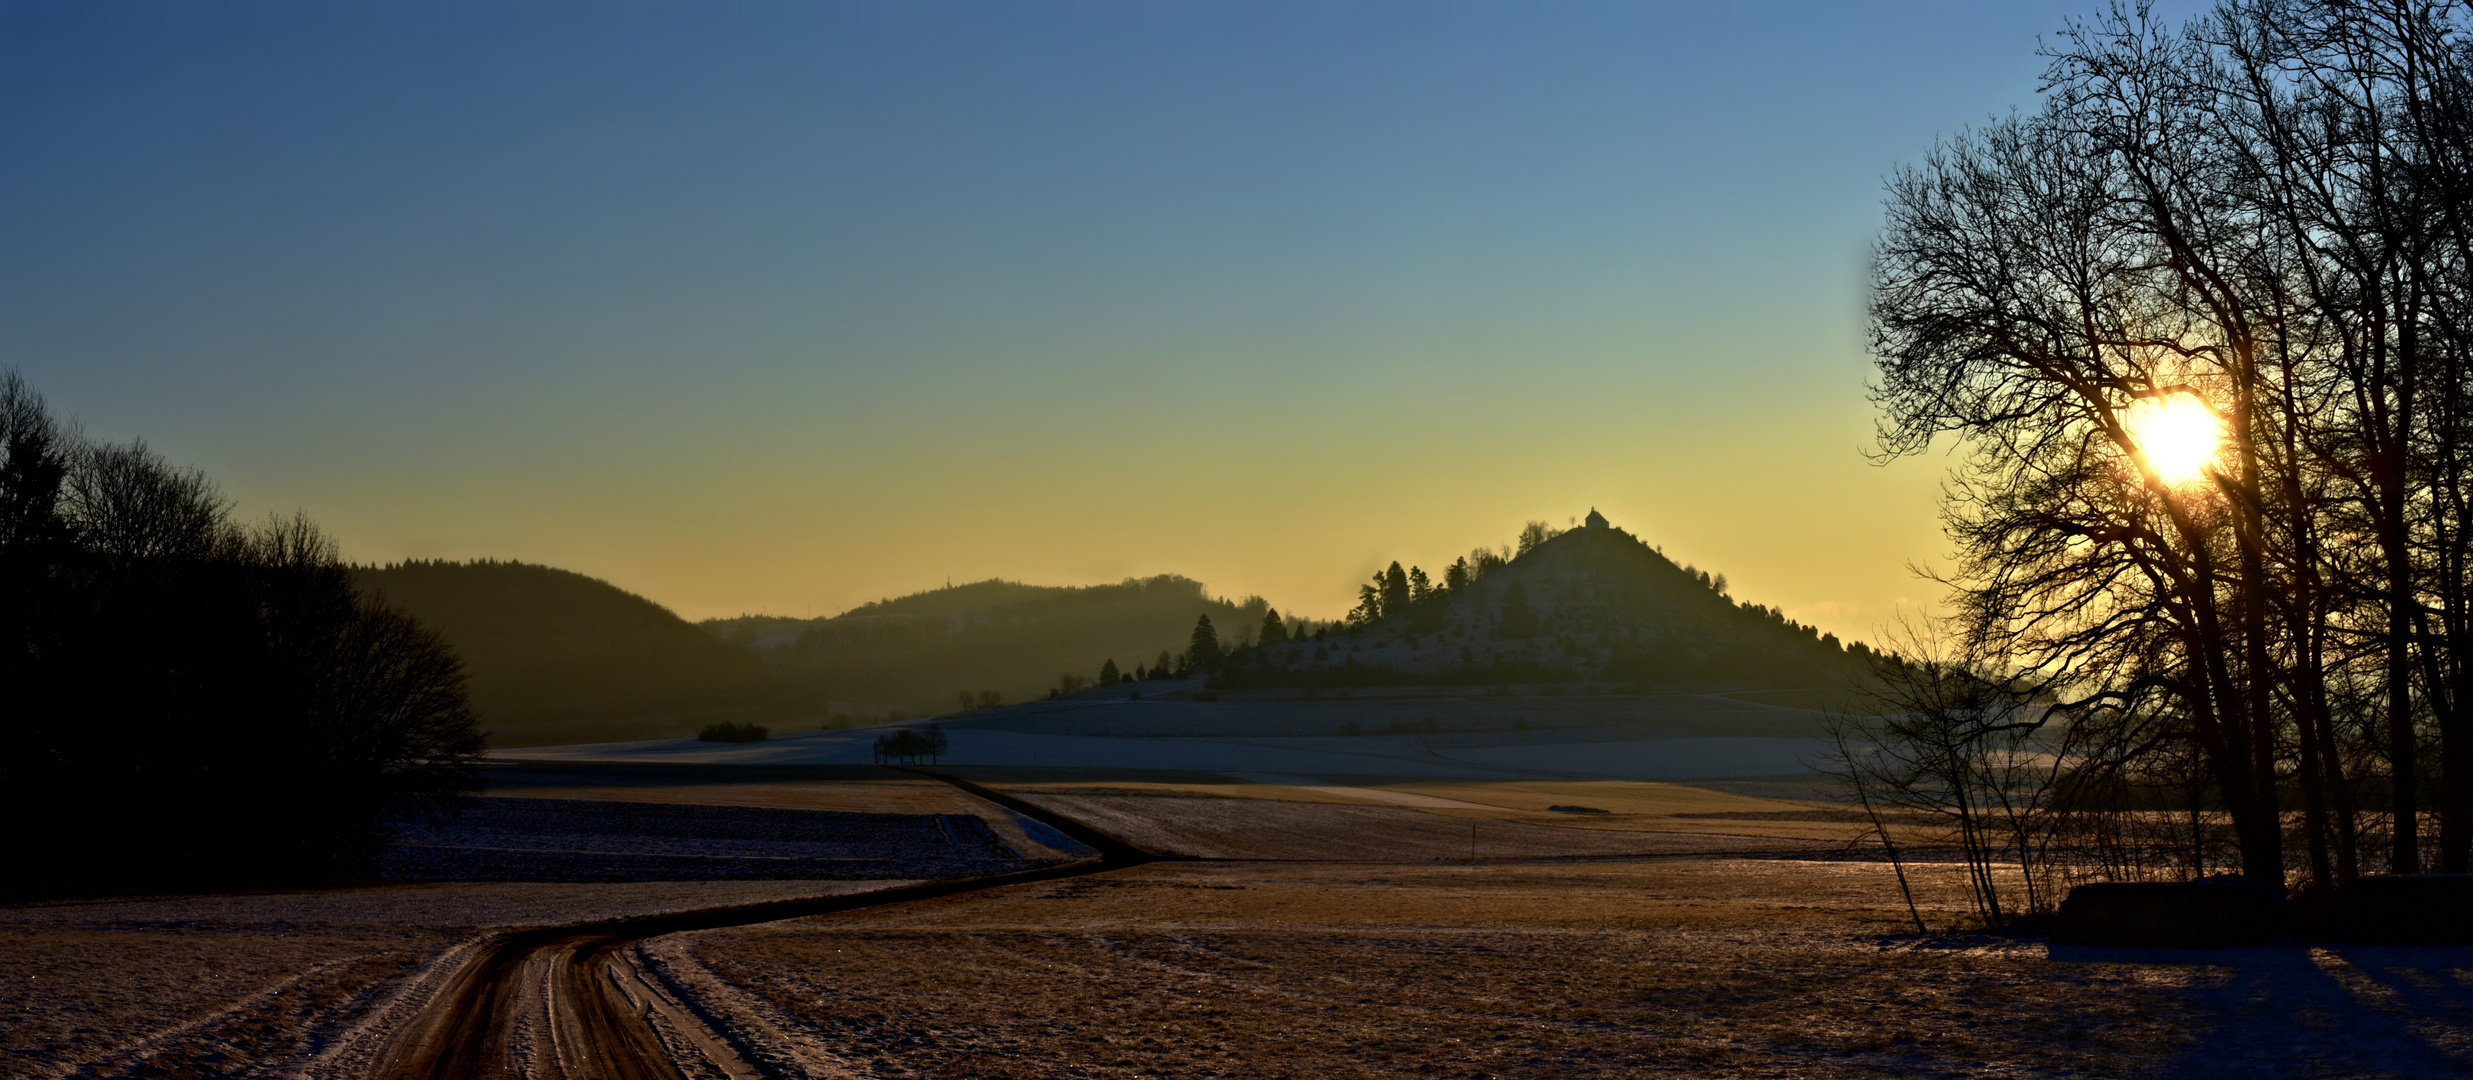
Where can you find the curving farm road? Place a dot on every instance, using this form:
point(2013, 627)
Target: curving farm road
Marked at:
point(569, 1002)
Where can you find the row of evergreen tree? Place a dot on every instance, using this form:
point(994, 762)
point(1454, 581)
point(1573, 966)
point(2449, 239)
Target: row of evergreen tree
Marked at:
point(1204, 653)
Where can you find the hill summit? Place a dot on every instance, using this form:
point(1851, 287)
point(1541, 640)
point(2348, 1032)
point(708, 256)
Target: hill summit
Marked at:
point(1592, 604)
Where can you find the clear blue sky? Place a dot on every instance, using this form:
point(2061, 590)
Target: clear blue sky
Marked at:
point(787, 308)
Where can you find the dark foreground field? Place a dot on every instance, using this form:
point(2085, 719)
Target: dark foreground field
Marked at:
point(1348, 941)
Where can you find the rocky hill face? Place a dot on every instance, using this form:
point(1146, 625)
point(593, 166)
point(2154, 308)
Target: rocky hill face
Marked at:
point(1594, 604)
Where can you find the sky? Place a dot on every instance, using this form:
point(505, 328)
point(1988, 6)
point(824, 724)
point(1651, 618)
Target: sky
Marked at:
point(781, 309)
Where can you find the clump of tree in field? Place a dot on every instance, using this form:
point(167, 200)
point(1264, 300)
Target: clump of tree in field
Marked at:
point(908, 747)
point(734, 733)
point(185, 699)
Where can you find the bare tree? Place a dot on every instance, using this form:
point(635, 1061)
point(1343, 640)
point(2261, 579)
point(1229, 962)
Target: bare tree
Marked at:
point(126, 503)
point(1962, 744)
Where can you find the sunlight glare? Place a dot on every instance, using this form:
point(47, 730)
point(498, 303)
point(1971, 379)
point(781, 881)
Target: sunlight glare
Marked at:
point(2176, 434)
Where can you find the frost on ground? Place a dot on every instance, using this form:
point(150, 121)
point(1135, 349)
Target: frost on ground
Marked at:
point(1698, 967)
point(289, 983)
point(274, 983)
point(519, 839)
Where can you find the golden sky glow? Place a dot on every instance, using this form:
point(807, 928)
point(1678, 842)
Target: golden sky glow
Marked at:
point(788, 310)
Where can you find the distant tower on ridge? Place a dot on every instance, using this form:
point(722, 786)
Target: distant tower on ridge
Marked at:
point(1595, 520)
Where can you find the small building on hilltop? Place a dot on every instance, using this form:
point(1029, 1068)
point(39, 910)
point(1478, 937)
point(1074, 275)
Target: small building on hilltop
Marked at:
point(1595, 520)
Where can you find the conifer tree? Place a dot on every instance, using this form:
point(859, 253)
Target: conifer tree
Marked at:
point(1369, 602)
point(1203, 652)
point(1274, 631)
point(1107, 673)
point(1455, 576)
point(1395, 594)
point(1419, 586)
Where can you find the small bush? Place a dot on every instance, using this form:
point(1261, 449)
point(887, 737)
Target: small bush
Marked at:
point(727, 732)
point(2209, 913)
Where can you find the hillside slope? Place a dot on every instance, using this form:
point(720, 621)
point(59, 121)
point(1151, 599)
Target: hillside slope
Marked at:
point(556, 656)
point(1594, 604)
point(920, 652)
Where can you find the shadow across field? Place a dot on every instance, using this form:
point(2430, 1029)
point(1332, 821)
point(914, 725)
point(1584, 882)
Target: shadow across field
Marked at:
point(2314, 1010)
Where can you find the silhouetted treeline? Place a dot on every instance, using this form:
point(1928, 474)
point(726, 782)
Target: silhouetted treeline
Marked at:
point(185, 700)
point(1204, 656)
point(2263, 219)
point(734, 733)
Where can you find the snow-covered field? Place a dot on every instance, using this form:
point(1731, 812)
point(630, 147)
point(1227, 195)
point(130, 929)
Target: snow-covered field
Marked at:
point(524, 839)
point(1363, 755)
point(1694, 737)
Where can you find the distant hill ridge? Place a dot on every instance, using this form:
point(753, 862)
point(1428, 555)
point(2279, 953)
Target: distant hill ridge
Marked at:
point(556, 656)
point(1014, 640)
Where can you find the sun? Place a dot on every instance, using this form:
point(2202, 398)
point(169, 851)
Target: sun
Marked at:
point(2176, 434)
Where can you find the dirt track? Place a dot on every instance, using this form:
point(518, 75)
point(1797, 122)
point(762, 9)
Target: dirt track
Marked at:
point(569, 1003)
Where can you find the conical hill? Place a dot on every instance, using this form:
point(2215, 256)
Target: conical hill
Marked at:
point(1592, 605)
